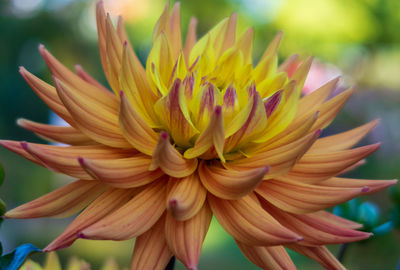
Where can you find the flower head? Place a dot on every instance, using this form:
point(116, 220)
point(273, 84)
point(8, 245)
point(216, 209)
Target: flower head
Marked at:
point(198, 132)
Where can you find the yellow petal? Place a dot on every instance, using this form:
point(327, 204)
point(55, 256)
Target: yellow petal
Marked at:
point(230, 184)
point(135, 129)
point(133, 218)
point(301, 198)
point(315, 231)
point(268, 257)
point(62, 202)
point(248, 223)
point(103, 206)
point(190, 39)
point(63, 134)
point(121, 173)
point(245, 44)
point(151, 251)
point(93, 118)
point(319, 254)
point(212, 136)
point(52, 262)
point(185, 197)
point(185, 238)
point(170, 160)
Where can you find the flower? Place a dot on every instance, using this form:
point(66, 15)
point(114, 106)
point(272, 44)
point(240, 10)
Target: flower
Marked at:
point(198, 132)
point(53, 263)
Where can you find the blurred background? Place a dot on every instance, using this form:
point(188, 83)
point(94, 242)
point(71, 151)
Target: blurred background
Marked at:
point(356, 38)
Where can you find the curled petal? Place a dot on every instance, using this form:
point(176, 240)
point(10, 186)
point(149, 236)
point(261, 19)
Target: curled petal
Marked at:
point(151, 250)
point(121, 173)
point(268, 257)
point(248, 223)
point(63, 134)
point(103, 206)
point(213, 135)
point(170, 160)
point(61, 202)
point(319, 254)
point(316, 231)
point(185, 197)
point(93, 118)
point(301, 198)
point(185, 238)
point(135, 129)
point(342, 140)
point(133, 218)
point(230, 184)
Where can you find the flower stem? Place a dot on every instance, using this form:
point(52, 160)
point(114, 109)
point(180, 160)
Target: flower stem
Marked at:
point(342, 250)
point(171, 264)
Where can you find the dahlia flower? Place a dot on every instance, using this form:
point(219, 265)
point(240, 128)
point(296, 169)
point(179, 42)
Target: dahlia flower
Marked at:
point(198, 132)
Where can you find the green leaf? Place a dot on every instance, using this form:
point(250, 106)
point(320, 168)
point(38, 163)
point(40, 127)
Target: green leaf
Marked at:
point(14, 259)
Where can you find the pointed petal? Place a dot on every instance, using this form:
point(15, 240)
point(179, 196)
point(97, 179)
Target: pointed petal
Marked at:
point(52, 262)
point(93, 118)
point(170, 160)
point(133, 218)
point(190, 38)
point(174, 33)
point(268, 257)
point(121, 173)
point(248, 223)
point(106, 98)
point(185, 197)
point(48, 94)
point(67, 134)
point(185, 238)
point(212, 136)
point(135, 129)
point(342, 140)
point(245, 44)
point(86, 77)
point(316, 231)
point(103, 206)
point(319, 254)
point(301, 198)
point(289, 62)
point(342, 222)
point(62, 202)
point(101, 32)
point(151, 251)
point(374, 185)
point(230, 184)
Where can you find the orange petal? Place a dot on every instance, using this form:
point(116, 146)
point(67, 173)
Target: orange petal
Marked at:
point(93, 118)
point(230, 184)
point(185, 197)
point(170, 160)
point(103, 206)
point(342, 222)
point(101, 32)
point(151, 250)
point(213, 135)
point(289, 62)
point(121, 173)
point(86, 77)
point(301, 198)
point(48, 94)
point(268, 257)
point(374, 185)
point(185, 238)
point(319, 254)
point(106, 98)
point(321, 166)
point(133, 218)
point(62, 202)
point(63, 134)
point(316, 231)
point(248, 223)
point(135, 129)
point(342, 140)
